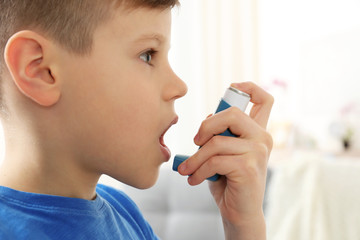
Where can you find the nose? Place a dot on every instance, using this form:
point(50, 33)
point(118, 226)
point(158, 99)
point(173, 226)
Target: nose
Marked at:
point(175, 87)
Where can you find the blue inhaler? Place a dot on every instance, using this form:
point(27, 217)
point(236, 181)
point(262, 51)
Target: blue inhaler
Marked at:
point(232, 97)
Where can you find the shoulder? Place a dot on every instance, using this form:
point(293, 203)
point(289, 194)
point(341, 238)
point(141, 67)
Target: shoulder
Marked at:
point(127, 208)
point(115, 196)
point(104, 190)
point(121, 202)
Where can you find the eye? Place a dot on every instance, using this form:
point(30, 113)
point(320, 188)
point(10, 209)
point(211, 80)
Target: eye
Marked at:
point(147, 56)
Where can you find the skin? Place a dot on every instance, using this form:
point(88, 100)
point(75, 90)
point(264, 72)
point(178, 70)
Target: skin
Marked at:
point(74, 118)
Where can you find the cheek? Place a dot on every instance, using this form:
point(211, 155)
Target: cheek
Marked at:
point(120, 140)
point(129, 120)
point(139, 122)
point(116, 119)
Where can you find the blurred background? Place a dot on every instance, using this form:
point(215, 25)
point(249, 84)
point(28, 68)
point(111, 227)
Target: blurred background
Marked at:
point(307, 55)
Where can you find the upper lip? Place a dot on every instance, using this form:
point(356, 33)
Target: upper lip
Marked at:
point(174, 121)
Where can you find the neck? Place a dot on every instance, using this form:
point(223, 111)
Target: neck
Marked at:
point(27, 167)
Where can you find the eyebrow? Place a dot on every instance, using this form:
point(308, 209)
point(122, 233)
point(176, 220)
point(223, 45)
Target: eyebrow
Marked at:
point(149, 37)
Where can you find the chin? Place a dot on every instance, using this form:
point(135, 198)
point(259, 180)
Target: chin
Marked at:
point(143, 184)
point(143, 181)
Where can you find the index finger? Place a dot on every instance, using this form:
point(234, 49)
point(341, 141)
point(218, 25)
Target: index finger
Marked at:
point(262, 101)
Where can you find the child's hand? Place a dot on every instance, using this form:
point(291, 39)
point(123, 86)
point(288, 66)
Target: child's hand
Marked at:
point(241, 160)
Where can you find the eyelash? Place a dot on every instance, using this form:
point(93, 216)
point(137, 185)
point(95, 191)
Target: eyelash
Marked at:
point(151, 53)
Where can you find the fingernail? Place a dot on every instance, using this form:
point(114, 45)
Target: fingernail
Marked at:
point(196, 138)
point(190, 180)
point(236, 84)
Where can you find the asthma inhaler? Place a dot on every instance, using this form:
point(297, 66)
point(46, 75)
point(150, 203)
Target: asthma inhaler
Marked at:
point(232, 97)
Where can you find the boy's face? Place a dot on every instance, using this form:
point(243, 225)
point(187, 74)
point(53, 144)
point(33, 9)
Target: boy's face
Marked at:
point(119, 102)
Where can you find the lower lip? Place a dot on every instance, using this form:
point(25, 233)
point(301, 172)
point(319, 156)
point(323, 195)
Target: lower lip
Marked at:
point(165, 150)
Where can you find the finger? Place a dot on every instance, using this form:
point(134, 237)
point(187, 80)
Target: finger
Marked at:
point(208, 169)
point(217, 145)
point(234, 168)
point(232, 118)
point(197, 134)
point(262, 101)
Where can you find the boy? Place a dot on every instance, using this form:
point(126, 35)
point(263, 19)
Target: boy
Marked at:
point(86, 90)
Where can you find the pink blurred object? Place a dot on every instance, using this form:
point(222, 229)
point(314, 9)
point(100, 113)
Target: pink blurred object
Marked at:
point(348, 108)
point(276, 83)
point(280, 83)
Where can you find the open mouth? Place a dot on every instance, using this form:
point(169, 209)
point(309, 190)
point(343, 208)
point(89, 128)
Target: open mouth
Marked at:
point(164, 148)
point(161, 140)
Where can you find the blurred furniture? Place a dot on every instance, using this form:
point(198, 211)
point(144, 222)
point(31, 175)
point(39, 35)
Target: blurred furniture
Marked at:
point(315, 196)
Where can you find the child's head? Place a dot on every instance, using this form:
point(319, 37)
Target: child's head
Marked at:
point(69, 23)
point(86, 85)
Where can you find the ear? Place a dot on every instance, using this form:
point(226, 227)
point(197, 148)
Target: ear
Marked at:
point(28, 58)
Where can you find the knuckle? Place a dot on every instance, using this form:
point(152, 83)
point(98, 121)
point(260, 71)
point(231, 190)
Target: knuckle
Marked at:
point(269, 142)
point(234, 114)
point(215, 141)
point(204, 126)
point(271, 99)
point(213, 162)
point(235, 111)
point(262, 150)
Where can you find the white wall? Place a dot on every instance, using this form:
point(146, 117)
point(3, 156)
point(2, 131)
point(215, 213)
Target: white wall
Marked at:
point(312, 46)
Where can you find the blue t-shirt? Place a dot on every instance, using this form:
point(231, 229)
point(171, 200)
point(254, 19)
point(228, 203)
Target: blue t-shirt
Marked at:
point(112, 215)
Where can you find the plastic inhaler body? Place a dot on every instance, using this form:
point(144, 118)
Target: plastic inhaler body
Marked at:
point(232, 97)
